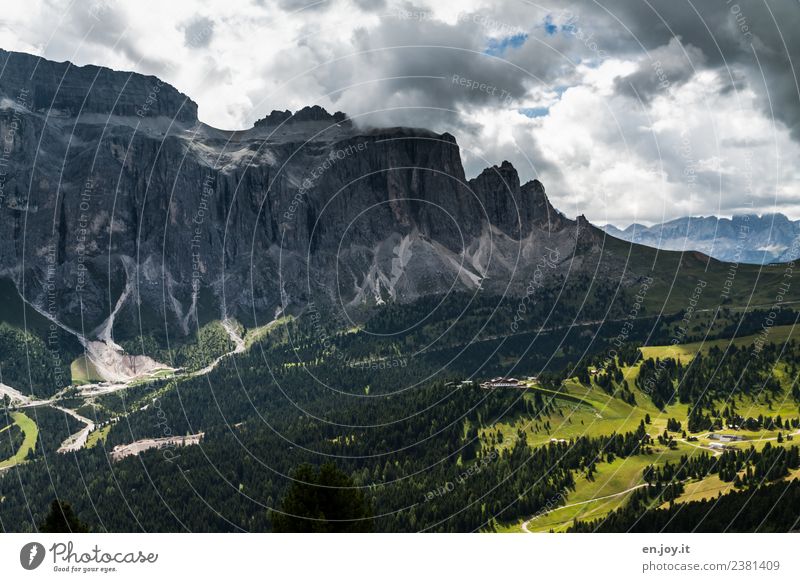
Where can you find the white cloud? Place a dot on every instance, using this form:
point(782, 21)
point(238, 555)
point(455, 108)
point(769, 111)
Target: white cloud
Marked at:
point(692, 150)
point(597, 149)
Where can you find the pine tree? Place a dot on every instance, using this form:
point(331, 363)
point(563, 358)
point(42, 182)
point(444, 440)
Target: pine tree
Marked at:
point(62, 519)
point(322, 500)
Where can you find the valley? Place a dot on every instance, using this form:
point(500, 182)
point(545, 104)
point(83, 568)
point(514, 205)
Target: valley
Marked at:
point(557, 411)
point(93, 378)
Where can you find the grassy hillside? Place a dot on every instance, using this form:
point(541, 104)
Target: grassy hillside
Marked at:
point(587, 410)
point(678, 274)
point(83, 371)
point(31, 433)
point(778, 334)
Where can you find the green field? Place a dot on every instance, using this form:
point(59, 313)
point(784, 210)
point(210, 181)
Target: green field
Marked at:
point(592, 498)
point(707, 488)
point(711, 487)
point(158, 374)
point(582, 410)
point(31, 434)
point(685, 352)
point(84, 372)
point(256, 334)
point(677, 274)
point(97, 435)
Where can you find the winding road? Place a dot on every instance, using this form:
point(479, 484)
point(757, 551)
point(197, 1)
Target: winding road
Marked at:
point(76, 441)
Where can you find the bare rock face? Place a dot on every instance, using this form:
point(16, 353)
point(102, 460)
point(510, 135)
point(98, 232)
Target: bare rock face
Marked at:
point(64, 90)
point(117, 204)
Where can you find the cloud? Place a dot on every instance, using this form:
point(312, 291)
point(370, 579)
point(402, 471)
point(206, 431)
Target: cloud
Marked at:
point(662, 69)
point(301, 5)
point(598, 100)
point(371, 5)
point(749, 37)
point(197, 32)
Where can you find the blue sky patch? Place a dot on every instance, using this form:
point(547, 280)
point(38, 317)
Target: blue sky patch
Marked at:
point(569, 28)
point(534, 111)
point(497, 47)
point(549, 26)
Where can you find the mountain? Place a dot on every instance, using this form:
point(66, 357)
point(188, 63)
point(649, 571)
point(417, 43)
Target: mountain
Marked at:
point(749, 238)
point(122, 213)
point(115, 196)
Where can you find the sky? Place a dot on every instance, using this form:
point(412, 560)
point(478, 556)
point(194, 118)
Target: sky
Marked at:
point(627, 111)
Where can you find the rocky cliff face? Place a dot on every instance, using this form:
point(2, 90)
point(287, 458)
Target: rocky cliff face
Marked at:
point(64, 90)
point(116, 203)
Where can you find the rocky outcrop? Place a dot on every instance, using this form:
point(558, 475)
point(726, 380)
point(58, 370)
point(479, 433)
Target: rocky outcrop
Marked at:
point(65, 90)
point(311, 113)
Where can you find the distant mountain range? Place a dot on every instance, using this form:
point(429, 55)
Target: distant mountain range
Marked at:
point(748, 238)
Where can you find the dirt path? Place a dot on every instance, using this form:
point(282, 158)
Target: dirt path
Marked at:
point(19, 400)
point(76, 441)
point(234, 335)
point(134, 448)
point(525, 523)
point(15, 395)
point(716, 452)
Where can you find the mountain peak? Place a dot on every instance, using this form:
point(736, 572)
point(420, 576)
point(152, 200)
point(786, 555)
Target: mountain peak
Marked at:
point(308, 113)
point(504, 177)
point(63, 88)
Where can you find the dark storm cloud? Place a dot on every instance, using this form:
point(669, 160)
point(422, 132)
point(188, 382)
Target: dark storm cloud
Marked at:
point(414, 60)
point(415, 70)
point(672, 39)
point(471, 73)
point(750, 42)
point(752, 38)
point(101, 24)
point(666, 66)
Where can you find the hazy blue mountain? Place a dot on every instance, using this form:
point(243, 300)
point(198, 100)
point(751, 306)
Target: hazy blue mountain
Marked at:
point(746, 238)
